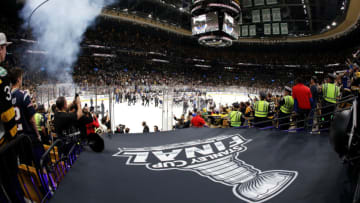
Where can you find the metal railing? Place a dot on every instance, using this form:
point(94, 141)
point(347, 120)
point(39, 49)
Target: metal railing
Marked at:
point(22, 180)
point(308, 120)
point(19, 181)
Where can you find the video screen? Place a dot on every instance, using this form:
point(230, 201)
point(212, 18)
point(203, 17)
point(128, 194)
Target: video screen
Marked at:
point(205, 23)
point(230, 27)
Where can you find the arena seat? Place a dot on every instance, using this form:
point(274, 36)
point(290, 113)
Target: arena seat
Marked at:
point(30, 182)
point(54, 153)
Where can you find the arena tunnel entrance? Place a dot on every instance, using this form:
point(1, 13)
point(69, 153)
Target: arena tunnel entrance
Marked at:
point(208, 165)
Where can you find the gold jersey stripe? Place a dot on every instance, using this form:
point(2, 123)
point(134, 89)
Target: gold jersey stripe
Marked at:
point(8, 115)
point(13, 131)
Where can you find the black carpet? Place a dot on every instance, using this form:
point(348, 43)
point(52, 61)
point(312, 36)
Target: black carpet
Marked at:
point(240, 166)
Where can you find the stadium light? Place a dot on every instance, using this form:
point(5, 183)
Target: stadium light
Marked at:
point(104, 55)
point(36, 52)
point(28, 41)
point(201, 60)
point(334, 23)
point(160, 61)
point(202, 66)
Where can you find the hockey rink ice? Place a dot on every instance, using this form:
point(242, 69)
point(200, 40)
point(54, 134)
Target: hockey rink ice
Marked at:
point(132, 116)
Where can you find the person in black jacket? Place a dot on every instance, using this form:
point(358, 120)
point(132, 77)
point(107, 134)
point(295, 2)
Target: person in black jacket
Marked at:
point(8, 132)
point(146, 128)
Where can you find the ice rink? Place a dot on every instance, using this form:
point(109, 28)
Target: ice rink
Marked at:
point(132, 116)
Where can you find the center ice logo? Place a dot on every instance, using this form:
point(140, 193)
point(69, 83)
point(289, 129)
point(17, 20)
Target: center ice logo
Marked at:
point(216, 159)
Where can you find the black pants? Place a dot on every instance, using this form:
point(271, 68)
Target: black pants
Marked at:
point(185, 110)
point(302, 117)
point(284, 121)
point(10, 187)
point(328, 112)
point(37, 152)
point(12, 190)
point(44, 138)
point(263, 124)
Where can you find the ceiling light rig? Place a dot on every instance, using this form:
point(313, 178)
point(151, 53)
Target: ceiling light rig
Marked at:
point(215, 22)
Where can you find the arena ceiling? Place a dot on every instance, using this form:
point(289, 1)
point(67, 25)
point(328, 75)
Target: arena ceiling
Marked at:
point(307, 20)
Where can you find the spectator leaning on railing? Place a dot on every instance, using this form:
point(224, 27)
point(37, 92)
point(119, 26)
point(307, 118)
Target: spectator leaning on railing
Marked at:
point(303, 102)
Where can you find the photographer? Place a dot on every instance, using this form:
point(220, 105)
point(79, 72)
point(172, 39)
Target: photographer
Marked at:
point(64, 121)
point(91, 121)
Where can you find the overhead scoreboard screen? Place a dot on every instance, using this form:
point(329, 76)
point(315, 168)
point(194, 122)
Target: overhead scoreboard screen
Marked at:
point(230, 27)
point(205, 23)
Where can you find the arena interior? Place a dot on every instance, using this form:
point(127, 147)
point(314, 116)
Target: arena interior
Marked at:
point(179, 101)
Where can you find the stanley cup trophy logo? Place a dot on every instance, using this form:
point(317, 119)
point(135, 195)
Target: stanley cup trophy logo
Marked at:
point(217, 159)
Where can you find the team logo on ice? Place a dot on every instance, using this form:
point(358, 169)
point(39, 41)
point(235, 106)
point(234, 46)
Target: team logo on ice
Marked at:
point(217, 159)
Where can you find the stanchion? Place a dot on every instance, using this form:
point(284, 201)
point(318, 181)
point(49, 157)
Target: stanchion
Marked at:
point(111, 111)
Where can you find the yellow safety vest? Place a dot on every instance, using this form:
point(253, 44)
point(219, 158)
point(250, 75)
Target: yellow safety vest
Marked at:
point(261, 109)
point(235, 118)
point(38, 120)
point(330, 92)
point(288, 107)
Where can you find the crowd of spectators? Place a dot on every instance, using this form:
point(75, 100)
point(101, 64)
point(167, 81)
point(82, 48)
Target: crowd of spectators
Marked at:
point(309, 104)
point(133, 49)
point(130, 63)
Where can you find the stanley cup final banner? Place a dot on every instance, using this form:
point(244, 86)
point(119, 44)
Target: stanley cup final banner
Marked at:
point(208, 166)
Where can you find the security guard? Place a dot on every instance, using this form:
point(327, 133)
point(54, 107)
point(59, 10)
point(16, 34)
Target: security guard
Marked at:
point(330, 92)
point(261, 111)
point(235, 116)
point(40, 124)
point(286, 108)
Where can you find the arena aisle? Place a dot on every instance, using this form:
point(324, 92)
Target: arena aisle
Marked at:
point(188, 166)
